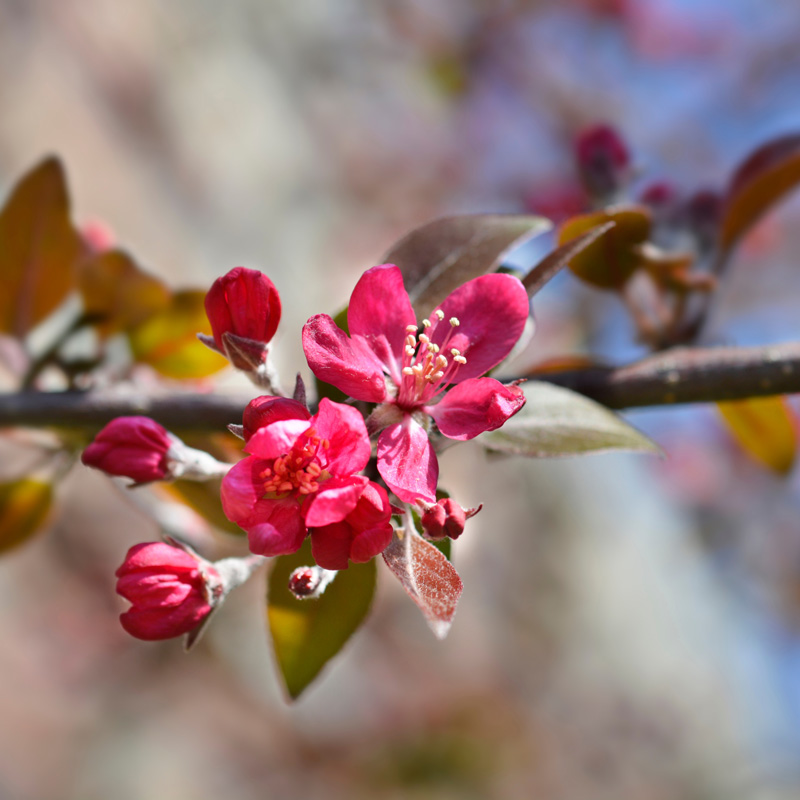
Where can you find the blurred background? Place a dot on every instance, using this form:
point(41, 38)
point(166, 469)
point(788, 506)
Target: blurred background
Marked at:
point(630, 627)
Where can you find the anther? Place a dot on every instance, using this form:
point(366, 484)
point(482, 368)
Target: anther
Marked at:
point(426, 323)
point(454, 322)
point(408, 371)
point(423, 337)
point(439, 314)
point(412, 329)
point(460, 359)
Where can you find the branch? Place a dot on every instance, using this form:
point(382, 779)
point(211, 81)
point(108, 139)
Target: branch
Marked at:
point(682, 375)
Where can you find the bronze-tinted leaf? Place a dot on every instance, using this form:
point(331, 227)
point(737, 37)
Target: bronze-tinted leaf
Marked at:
point(118, 293)
point(761, 180)
point(611, 258)
point(24, 507)
point(553, 263)
point(306, 634)
point(559, 422)
point(167, 341)
point(39, 249)
point(438, 257)
point(764, 428)
point(430, 580)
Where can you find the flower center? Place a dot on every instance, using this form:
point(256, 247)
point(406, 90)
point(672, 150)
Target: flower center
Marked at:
point(427, 367)
point(300, 471)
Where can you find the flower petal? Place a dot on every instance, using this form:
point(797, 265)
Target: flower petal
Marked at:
point(334, 501)
point(475, 406)
point(343, 426)
point(370, 543)
point(276, 439)
point(263, 411)
point(348, 364)
point(330, 545)
point(156, 624)
point(406, 461)
point(380, 311)
point(281, 534)
point(492, 311)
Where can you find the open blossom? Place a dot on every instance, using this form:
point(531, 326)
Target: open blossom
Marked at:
point(364, 533)
point(244, 310)
point(172, 591)
point(301, 472)
point(388, 360)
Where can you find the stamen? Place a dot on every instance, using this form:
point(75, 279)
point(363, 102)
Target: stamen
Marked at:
point(454, 322)
point(412, 329)
point(460, 359)
point(439, 314)
point(426, 323)
point(423, 337)
point(408, 371)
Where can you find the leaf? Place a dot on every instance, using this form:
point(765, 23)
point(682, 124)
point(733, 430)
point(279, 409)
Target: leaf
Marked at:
point(764, 428)
point(306, 634)
point(612, 257)
point(204, 499)
point(39, 249)
point(429, 579)
point(559, 422)
point(120, 294)
point(760, 181)
point(24, 507)
point(438, 257)
point(167, 341)
point(553, 263)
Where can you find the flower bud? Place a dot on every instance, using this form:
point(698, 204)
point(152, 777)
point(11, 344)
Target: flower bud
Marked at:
point(132, 447)
point(172, 591)
point(308, 583)
point(446, 518)
point(603, 161)
point(263, 411)
point(244, 310)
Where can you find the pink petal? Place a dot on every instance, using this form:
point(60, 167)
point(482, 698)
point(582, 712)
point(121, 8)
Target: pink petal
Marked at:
point(475, 406)
point(406, 461)
point(263, 411)
point(348, 364)
point(242, 490)
point(156, 554)
point(330, 545)
point(343, 426)
point(380, 311)
point(156, 624)
point(276, 439)
point(336, 498)
point(492, 311)
point(282, 533)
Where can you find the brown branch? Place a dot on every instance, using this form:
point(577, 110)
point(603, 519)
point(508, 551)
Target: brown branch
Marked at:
point(682, 375)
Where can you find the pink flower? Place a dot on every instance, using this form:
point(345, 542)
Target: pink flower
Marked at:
point(385, 360)
point(364, 533)
point(172, 591)
point(300, 473)
point(132, 447)
point(244, 310)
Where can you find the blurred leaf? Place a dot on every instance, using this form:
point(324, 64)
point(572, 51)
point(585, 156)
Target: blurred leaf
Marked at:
point(611, 257)
point(761, 180)
point(764, 429)
point(558, 422)
point(167, 341)
point(204, 499)
point(119, 293)
point(428, 577)
point(306, 634)
point(24, 506)
point(553, 263)
point(39, 249)
point(438, 257)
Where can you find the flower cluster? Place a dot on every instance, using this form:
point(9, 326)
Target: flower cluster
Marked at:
point(303, 475)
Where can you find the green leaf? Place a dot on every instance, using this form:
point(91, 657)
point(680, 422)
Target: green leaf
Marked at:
point(559, 422)
point(39, 249)
point(438, 257)
point(24, 508)
point(759, 182)
point(306, 634)
point(764, 428)
point(611, 258)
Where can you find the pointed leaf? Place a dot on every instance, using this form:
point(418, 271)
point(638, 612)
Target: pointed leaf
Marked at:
point(24, 507)
point(39, 249)
point(430, 580)
point(764, 428)
point(306, 634)
point(438, 257)
point(120, 294)
point(761, 180)
point(558, 422)
point(611, 257)
point(553, 263)
point(167, 341)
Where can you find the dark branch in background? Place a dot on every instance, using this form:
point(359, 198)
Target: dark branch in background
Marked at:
point(682, 375)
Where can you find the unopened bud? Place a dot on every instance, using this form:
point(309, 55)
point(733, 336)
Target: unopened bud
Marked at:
point(308, 583)
point(446, 519)
point(603, 161)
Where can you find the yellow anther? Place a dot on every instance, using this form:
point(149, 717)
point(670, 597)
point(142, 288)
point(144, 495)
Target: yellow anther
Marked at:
point(437, 376)
point(460, 359)
point(454, 322)
point(426, 323)
point(455, 351)
point(423, 337)
point(409, 351)
point(408, 371)
point(434, 348)
point(439, 314)
point(411, 329)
